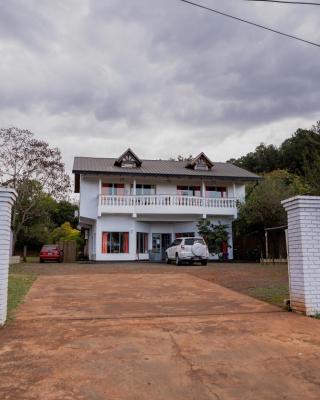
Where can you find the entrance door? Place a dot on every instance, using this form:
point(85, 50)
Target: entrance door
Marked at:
point(160, 243)
point(165, 243)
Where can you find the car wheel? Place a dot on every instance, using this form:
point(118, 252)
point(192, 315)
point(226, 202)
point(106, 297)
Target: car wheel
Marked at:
point(178, 262)
point(204, 262)
point(168, 261)
point(41, 261)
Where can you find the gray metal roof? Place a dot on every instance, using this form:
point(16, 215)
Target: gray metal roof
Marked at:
point(105, 166)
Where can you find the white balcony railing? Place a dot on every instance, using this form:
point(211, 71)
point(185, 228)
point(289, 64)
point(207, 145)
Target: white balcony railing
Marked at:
point(167, 203)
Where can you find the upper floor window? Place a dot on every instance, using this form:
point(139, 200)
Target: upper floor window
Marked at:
point(142, 189)
point(216, 192)
point(189, 191)
point(112, 189)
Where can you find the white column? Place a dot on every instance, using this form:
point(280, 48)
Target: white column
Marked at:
point(203, 190)
point(134, 186)
point(304, 252)
point(234, 190)
point(99, 198)
point(7, 199)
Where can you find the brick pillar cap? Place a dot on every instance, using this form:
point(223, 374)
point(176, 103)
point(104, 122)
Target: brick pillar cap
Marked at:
point(301, 201)
point(8, 195)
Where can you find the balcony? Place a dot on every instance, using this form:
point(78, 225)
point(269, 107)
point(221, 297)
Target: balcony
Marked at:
point(167, 204)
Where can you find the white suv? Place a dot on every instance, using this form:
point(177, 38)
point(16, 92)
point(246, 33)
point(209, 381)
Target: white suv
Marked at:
point(187, 249)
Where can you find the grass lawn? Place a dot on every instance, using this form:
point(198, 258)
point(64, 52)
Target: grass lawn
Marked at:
point(275, 295)
point(267, 282)
point(19, 286)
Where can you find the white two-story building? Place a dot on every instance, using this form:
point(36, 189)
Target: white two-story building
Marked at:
point(132, 209)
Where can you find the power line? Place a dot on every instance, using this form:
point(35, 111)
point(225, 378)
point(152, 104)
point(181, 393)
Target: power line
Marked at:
point(288, 2)
point(249, 22)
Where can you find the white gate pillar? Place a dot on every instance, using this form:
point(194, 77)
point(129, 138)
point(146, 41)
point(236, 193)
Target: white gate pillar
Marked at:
point(304, 252)
point(7, 199)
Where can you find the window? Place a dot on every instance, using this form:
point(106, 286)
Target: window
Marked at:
point(216, 192)
point(142, 189)
point(201, 165)
point(142, 243)
point(112, 189)
point(176, 242)
point(189, 191)
point(115, 242)
point(184, 234)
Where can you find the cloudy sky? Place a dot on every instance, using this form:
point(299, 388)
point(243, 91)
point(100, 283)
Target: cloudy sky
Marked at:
point(95, 77)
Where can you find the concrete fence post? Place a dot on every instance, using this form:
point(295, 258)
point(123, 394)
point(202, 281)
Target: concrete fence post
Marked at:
point(304, 252)
point(7, 199)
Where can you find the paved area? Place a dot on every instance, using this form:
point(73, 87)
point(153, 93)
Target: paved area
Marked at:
point(155, 336)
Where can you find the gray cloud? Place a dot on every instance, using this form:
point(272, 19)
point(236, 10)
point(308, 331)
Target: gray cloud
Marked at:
point(148, 73)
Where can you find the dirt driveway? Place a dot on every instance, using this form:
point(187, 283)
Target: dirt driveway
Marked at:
point(155, 336)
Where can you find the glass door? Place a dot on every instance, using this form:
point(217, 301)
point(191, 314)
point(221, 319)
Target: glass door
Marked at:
point(165, 243)
point(160, 243)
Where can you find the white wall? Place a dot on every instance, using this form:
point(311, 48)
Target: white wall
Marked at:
point(7, 198)
point(166, 188)
point(241, 192)
point(89, 191)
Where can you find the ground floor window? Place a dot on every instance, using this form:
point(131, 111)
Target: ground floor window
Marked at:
point(184, 234)
point(142, 243)
point(115, 242)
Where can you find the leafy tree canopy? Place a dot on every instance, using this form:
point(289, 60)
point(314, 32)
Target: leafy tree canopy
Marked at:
point(182, 158)
point(263, 159)
point(263, 208)
point(35, 170)
point(299, 155)
point(214, 235)
point(65, 232)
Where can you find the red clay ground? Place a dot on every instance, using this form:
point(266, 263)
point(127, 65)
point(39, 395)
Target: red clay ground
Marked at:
point(265, 282)
point(154, 336)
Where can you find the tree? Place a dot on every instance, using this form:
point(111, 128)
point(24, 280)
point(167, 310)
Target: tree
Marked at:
point(65, 232)
point(263, 208)
point(31, 218)
point(263, 159)
point(299, 154)
point(64, 211)
point(312, 173)
point(302, 151)
point(32, 168)
point(214, 235)
point(182, 158)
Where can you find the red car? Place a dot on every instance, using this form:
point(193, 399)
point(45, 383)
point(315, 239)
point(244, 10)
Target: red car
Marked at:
point(51, 252)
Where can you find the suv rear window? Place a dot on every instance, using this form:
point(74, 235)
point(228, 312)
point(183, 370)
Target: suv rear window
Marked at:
point(50, 247)
point(176, 242)
point(191, 241)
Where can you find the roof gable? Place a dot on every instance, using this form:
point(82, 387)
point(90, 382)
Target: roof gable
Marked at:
point(128, 160)
point(201, 162)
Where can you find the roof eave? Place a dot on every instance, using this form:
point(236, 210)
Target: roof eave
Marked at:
point(129, 173)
